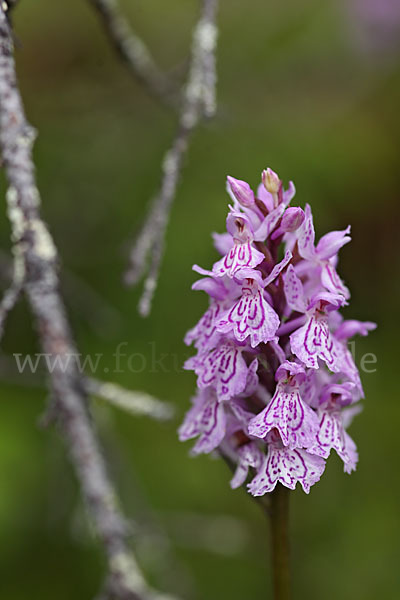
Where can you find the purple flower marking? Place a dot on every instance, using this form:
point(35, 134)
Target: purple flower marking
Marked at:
point(331, 434)
point(287, 466)
point(250, 316)
point(239, 256)
point(278, 268)
point(205, 419)
point(223, 368)
point(205, 334)
point(294, 291)
point(249, 456)
point(324, 255)
point(296, 422)
point(313, 340)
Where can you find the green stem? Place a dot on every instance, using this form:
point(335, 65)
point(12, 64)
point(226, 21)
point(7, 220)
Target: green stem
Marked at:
point(279, 513)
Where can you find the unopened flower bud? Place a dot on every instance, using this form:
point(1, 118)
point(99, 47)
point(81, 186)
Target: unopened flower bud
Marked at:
point(292, 219)
point(242, 191)
point(271, 181)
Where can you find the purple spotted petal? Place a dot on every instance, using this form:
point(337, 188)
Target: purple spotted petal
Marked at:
point(278, 268)
point(288, 467)
point(330, 244)
point(350, 453)
point(313, 341)
point(205, 419)
point(331, 280)
point(241, 412)
point(239, 225)
point(213, 287)
point(290, 368)
point(205, 334)
point(296, 422)
point(249, 456)
point(288, 194)
point(269, 223)
point(326, 301)
point(251, 380)
point(343, 394)
point(349, 413)
point(350, 328)
point(251, 316)
point(347, 366)
point(224, 369)
point(294, 291)
point(306, 236)
point(222, 242)
point(331, 435)
point(265, 197)
point(239, 256)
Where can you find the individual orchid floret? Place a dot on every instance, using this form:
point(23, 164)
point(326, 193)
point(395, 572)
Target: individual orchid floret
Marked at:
point(331, 431)
point(286, 466)
point(204, 335)
point(223, 368)
point(206, 420)
point(251, 316)
point(346, 365)
point(324, 255)
point(249, 456)
point(241, 191)
point(313, 340)
point(242, 253)
point(296, 422)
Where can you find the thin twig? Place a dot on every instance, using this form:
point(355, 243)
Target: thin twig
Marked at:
point(133, 51)
point(136, 403)
point(198, 100)
point(33, 243)
point(12, 294)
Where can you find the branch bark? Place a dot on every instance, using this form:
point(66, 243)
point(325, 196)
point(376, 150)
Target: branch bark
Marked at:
point(38, 257)
point(133, 51)
point(198, 100)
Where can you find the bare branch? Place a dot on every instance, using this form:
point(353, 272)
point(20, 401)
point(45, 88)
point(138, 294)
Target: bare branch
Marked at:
point(198, 100)
point(33, 243)
point(13, 293)
point(136, 403)
point(133, 52)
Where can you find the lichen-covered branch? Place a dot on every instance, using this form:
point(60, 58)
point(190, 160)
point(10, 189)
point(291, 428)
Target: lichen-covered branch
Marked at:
point(133, 51)
point(38, 255)
point(136, 403)
point(13, 293)
point(198, 101)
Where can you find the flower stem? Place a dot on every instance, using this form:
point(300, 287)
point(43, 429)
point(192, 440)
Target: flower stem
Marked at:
point(279, 513)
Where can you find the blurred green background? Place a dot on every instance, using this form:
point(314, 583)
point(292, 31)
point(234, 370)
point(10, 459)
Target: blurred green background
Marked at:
point(301, 89)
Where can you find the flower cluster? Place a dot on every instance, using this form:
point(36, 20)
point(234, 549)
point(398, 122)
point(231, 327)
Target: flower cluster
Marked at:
point(277, 384)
